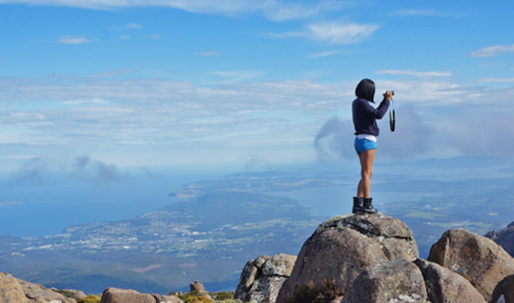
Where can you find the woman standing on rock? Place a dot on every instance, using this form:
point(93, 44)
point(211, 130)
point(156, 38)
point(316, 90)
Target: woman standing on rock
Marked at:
point(366, 132)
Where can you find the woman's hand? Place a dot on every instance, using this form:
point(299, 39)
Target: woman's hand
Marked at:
point(388, 95)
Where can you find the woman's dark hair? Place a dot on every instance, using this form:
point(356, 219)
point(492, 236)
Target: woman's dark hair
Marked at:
point(366, 90)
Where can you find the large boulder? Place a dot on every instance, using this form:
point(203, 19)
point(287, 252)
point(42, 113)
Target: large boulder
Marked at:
point(445, 286)
point(263, 277)
point(393, 281)
point(342, 247)
point(73, 293)
point(115, 295)
point(167, 299)
point(36, 293)
point(506, 289)
point(478, 259)
point(504, 237)
point(198, 287)
point(10, 290)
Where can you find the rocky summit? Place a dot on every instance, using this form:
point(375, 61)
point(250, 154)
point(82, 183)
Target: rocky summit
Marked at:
point(342, 247)
point(358, 258)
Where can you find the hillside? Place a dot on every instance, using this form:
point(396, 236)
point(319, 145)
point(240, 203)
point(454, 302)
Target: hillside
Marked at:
point(210, 237)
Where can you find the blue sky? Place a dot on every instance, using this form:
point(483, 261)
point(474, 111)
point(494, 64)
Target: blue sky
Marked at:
point(148, 83)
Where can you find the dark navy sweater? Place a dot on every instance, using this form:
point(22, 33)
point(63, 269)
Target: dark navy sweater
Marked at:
point(365, 116)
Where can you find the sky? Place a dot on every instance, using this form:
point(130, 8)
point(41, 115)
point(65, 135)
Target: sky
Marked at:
point(108, 84)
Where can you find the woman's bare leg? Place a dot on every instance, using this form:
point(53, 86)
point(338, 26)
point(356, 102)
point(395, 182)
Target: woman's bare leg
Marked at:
point(366, 158)
point(360, 193)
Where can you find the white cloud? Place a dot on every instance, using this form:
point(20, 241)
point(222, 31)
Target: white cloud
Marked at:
point(113, 73)
point(492, 51)
point(126, 26)
point(415, 73)
point(209, 54)
point(490, 64)
point(86, 101)
point(125, 37)
point(287, 35)
point(333, 32)
point(232, 76)
point(133, 26)
point(154, 36)
point(496, 80)
point(277, 11)
point(324, 54)
point(426, 13)
point(156, 116)
point(341, 33)
point(74, 40)
point(272, 9)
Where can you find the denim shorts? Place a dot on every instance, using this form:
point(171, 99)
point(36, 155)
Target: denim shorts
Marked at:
point(362, 145)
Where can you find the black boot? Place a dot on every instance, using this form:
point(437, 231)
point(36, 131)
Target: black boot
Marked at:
point(368, 206)
point(358, 205)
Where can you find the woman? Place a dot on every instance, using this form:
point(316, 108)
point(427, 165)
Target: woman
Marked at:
point(366, 133)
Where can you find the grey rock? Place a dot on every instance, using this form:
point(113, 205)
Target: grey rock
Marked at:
point(504, 237)
point(445, 286)
point(198, 287)
point(10, 290)
point(478, 259)
point(342, 247)
point(115, 295)
point(390, 282)
point(36, 293)
point(167, 299)
point(73, 293)
point(279, 265)
point(263, 277)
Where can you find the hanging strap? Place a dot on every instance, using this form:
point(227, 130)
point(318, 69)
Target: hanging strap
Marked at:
point(392, 118)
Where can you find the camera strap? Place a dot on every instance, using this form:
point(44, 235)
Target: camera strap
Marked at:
point(392, 118)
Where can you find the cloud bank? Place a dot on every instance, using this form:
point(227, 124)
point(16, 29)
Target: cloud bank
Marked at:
point(415, 73)
point(271, 9)
point(426, 132)
point(332, 32)
point(492, 51)
point(74, 40)
point(157, 117)
point(39, 170)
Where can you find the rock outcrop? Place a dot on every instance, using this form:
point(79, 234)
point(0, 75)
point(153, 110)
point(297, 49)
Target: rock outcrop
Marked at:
point(19, 291)
point(404, 281)
point(198, 287)
point(478, 259)
point(263, 277)
point(506, 289)
point(342, 247)
point(14, 290)
point(36, 293)
point(73, 293)
point(167, 299)
point(393, 281)
point(504, 237)
point(115, 295)
point(10, 290)
point(445, 286)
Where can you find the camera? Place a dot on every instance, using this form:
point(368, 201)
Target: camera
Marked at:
point(392, 92)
